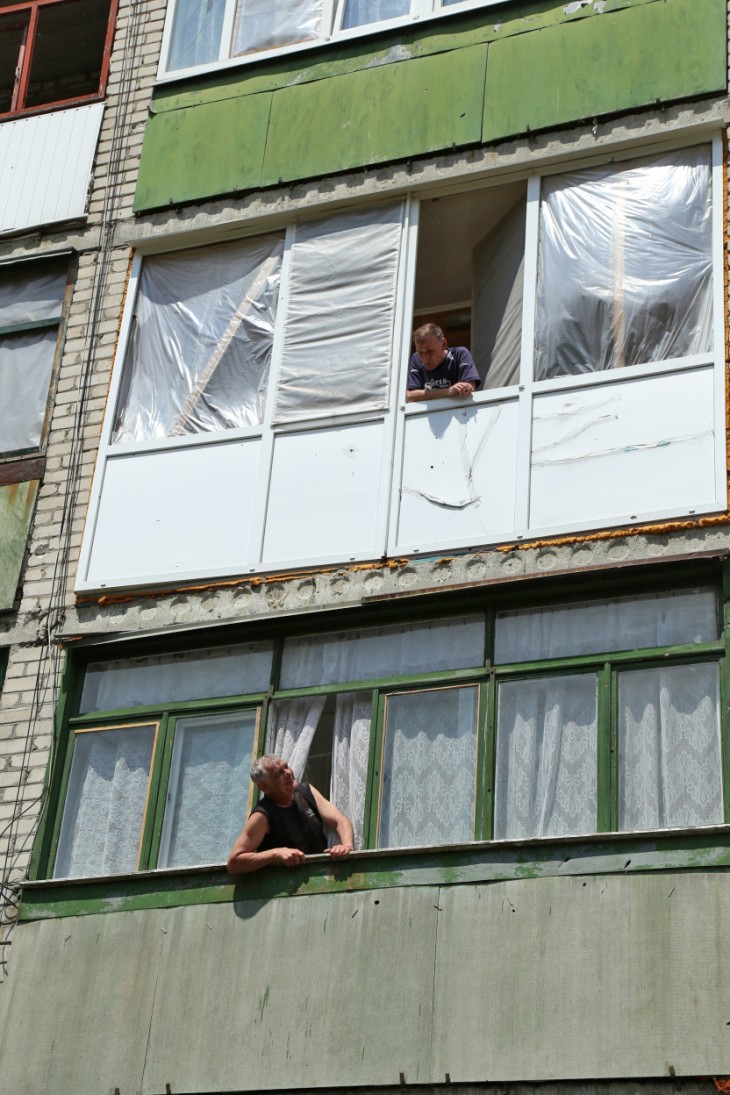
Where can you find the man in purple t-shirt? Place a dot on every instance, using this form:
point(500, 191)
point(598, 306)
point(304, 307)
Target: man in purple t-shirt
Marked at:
point(435, 371)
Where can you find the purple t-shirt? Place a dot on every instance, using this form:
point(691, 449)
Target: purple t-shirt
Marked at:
point(457, 365)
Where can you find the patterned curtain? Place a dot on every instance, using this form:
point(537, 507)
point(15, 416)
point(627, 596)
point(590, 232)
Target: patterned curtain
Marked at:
point(350, 757)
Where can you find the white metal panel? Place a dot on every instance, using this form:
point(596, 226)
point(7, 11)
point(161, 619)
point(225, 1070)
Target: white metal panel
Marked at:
point(177, 514)
point(458, 483)
point(45, 166)
point(623, 450)
point(324, 495)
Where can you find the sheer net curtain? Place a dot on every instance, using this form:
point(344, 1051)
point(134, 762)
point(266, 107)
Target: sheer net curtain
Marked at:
point(105, 803)
point(546, 757)
point(669, 747)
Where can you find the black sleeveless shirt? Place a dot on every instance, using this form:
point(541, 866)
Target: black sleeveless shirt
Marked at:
point(295, 826)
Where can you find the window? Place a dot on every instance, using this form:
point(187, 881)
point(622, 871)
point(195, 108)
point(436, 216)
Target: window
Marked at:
point(32, 297)
point(221, 30)
point(260, 383)
point(521, 723)
point(53, 52)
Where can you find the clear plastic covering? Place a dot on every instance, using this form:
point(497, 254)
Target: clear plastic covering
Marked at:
point(26, 366)
point(339, 324)
point(625, 265)
point(499, 276)
point(32, 291)
point(265, 24)
point(359, 12)
point(199, 356)
point(196, 33)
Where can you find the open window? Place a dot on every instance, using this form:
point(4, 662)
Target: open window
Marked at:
point(53, 52)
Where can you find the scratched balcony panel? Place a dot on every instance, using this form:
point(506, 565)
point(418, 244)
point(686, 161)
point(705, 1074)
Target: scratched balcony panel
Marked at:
point(622, 450)
point(458, 484)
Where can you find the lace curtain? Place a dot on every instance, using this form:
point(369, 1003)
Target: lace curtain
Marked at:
point(196, 34)
point(350, 752)
point(546, 757)
point(105, 803)
point(669, 747)
point(429, 768)
point(208, 790)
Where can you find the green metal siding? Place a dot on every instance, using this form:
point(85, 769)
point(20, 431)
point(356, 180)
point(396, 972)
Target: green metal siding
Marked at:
point(16, 511)
point(423, 90)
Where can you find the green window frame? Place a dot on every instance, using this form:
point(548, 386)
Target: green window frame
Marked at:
point(453, 710)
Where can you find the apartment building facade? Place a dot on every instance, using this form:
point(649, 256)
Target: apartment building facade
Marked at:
point(493, 630)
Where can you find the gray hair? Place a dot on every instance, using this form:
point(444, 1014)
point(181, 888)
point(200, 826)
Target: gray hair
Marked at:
point(422, 333)
point(260, 767)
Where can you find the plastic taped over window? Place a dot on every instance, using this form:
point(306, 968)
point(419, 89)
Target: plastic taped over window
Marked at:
point(200, 352)
point(339, 323)
point(265, 24)
point(624, 272)
point(196, 33)
point(32, 291)
point(26, 365)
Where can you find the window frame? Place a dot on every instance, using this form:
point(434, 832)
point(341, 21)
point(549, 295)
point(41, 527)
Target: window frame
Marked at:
point(487, 678)
point(20, 465)
point(27, 49)
point(332, 16)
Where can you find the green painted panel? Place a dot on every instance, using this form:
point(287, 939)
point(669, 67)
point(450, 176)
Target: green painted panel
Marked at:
point(216, 148)
point(608, 63)
point(16, 512)
point(384, 113)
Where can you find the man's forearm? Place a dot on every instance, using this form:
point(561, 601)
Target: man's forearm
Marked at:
point(245, 862)
point(456, 391)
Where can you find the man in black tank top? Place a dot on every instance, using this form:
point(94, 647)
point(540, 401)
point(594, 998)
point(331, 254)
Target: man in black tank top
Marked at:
point(288, 823)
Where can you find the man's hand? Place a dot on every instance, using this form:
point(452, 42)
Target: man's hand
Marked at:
point(462, 388)
point(288, 857)
point(338, 851)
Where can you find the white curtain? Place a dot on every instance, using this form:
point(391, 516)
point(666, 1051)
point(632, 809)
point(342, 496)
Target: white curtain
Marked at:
point(105, 802)
point(264, 24)
point(350, 754)
point(196, 33)
point(292, 727)
point(208, 791)
point(669, 747)
point(359, 12)
point(626, 623)
point(546, 757)
point(429, 768)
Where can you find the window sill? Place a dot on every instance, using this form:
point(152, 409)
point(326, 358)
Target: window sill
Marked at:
point(705, 848)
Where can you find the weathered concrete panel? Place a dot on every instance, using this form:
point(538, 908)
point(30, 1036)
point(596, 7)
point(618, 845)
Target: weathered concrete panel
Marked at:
point(215, 148)
point(332, 125)
point(611, 62)
point(583, 978)
point(16, 511)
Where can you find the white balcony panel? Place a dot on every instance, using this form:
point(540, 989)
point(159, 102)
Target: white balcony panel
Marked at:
point(176, 513)
point(458, 482)
point(45, 166)
point(324, 496)
point(623, 450)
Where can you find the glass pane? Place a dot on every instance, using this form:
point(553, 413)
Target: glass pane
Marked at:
point(198, 360)
point(669, 747)
point(32, 291)
point(429, 768)
point(196, 33)
point(625, 265)
point(546, 757)
point(26, 367)
point(171, 678)
point(68, 51)
point(207, 795)
point(626, 623)
point(105, 802)
point(359, 12)
point(12, 33)
point(383, 652)
point(264, 24)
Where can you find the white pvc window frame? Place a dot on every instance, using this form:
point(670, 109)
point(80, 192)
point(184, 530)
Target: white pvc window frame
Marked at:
point(330, 30)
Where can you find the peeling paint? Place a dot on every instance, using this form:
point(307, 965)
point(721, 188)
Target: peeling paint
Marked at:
point(571, 9)
point(398, 52)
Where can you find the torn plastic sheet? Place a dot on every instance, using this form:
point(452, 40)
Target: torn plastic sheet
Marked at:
point(265, 24)
point(199, 356)
point(625, 265)
point(341, 306)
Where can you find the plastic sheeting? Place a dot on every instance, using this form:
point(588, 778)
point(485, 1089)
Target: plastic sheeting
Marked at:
point(265, 24)
point(360, 12)
point(196, 33)
point(26, 367)
point(199, 356)
point(339, 325)
point(32, 291)
point(499, 276)
point(625, 265)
